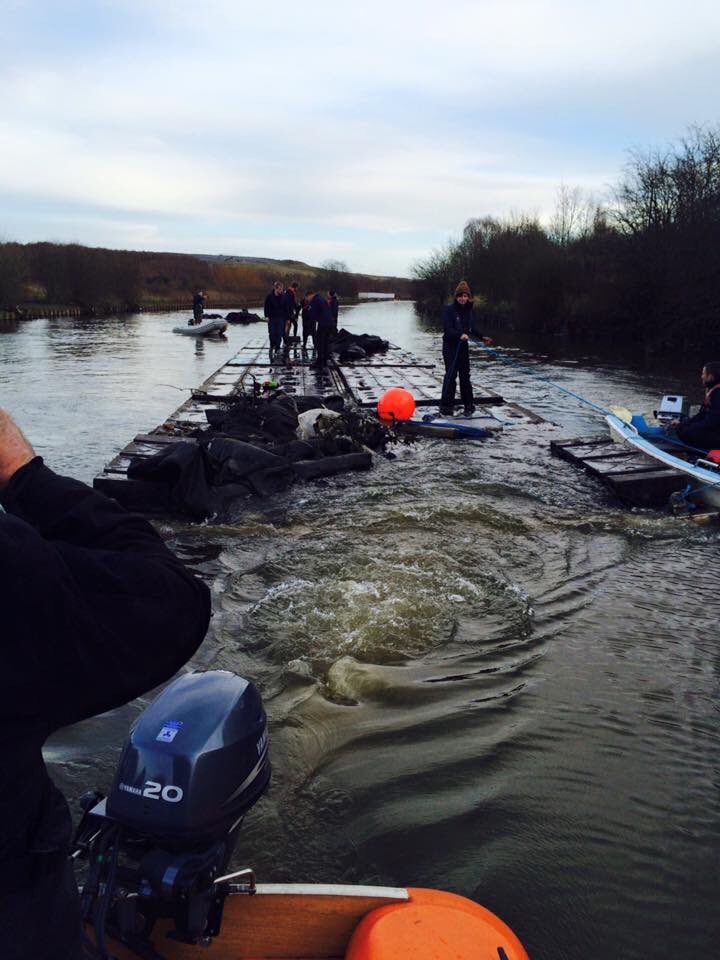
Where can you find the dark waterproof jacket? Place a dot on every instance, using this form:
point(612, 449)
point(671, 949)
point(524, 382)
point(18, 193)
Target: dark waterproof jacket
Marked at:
point(96, 610)
point(458, 319)
point(277, 307)
point(334, 308)
point(703, 430)
point(319, 312)
point(293, 307)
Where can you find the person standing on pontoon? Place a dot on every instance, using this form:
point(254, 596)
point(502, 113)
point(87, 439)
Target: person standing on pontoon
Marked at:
point(276, 314)
point(293, 310)
point(198, 308)
point(321, 316)
point(334, 307)
point(458, 326)
point(309, 325)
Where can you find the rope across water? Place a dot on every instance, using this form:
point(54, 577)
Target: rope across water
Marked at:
point(594, 406)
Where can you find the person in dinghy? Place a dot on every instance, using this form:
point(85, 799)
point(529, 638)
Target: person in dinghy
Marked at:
point(458, 327)
point(703, 430)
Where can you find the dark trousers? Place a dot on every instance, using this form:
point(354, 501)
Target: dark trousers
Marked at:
point(276, 329)
point(323, 336)
point(308, 330)
point(457, 364)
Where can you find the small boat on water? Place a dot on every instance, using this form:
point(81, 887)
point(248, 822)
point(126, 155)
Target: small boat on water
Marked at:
point(211, 328)
point(702, 470)
point(158, 882)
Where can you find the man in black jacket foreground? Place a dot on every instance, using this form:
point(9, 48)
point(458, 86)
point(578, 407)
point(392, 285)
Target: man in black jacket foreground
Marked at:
point(94, 611)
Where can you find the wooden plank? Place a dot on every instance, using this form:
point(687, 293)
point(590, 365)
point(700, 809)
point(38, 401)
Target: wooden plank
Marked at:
point(161, 439)
point(648, 489)
point(602, 438)
point(620, 453)
point(646, 466)
point(413, 428)
point(524, 412)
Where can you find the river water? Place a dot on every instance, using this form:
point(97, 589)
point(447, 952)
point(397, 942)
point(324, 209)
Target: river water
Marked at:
point(482, 674)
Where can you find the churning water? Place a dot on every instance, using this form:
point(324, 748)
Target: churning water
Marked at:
point(482, 673)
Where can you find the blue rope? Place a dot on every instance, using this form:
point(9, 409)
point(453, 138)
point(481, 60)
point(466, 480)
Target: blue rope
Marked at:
point(531, 373)
point(608, 413)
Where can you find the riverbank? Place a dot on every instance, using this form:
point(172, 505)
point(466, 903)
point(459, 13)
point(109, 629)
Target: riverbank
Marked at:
point(58, 279)
point(29, 311)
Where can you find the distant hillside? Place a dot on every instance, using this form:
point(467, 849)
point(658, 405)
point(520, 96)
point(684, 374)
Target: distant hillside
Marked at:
point(104, 280)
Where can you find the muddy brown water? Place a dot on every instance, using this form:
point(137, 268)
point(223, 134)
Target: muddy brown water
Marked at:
point(482, 674)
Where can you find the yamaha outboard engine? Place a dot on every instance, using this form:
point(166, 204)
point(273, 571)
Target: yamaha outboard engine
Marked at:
point(195, 762)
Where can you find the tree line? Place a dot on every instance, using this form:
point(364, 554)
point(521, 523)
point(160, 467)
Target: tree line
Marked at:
point(642, 267)
point(98, 280)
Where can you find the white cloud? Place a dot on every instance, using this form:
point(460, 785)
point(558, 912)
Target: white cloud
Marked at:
point(376, 123)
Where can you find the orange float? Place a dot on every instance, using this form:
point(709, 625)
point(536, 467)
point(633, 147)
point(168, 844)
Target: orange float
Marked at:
point(396, 404)
point(431, 925)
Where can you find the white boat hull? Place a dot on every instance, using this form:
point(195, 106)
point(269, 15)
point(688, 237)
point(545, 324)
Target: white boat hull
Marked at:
point(211, 328)
point(703, 483)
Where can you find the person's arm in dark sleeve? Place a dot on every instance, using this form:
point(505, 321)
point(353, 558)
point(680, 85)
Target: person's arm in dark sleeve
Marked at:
point(266, 307)
point(475, 331)
point(61, 508)
point(712, 413)
point(118, 612)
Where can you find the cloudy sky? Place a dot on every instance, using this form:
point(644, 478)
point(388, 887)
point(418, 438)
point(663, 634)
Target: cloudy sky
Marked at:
point(366, 131)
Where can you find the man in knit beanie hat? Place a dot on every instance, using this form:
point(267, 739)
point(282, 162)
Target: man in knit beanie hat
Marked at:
point(458, 327)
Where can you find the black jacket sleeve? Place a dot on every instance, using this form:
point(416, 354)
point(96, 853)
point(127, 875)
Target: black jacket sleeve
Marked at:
point(455, 324)
point(97, 609)
point(703, 430)
point(451, 330)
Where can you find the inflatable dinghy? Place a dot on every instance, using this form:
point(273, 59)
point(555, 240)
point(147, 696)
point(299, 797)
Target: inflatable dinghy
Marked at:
point(211, 328)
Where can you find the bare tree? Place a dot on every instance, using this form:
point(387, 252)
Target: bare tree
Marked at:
point(574, 215)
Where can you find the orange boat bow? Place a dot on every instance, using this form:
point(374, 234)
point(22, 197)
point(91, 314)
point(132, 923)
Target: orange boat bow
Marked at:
point(434, 925)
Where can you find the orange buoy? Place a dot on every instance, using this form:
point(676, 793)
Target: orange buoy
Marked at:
point(396, 404)
point(433, 925)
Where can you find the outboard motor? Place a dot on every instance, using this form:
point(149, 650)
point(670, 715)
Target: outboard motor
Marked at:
point(195, 762)
point(672, 408)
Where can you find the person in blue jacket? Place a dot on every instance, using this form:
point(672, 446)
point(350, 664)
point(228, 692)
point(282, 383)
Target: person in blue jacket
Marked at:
point(458, 327)
point(321, 316)
point(703, 430)
point(96, 611)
